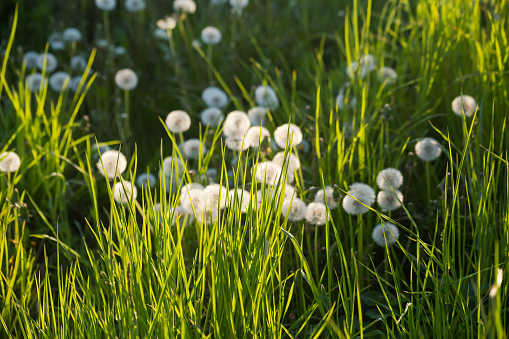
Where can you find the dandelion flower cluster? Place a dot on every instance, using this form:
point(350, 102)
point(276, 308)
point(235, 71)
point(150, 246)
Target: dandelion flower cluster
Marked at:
point(186, 6)
point(265, 96)
point(30, 60)
point(59, 81)
point(239, 5)
point(166, 23)
point(342, 100)
point(267, 172)
point(9, 162)
point(385, 234)
point(326, 195)
point(71, 35)
point(146, 180)
point(123, 191)
point(389, 178)
point(287, 132)
point(257, 115)
point(389, 200)
point(126, 79)
point(106, 5)
point(211, 35)
point(135, 6)
point(34, 81)
point(112, 163)
point(239, 197)
point(211, 116)
point(192, 147)
point(295, 209)
point(387, 74)
point(464, 104)
point(316, 213)
point(236, 125)
point(214, 97)
point(48, 60)
point(178, 121)
point(255, 135)
point(428, 149)
point(363, 194)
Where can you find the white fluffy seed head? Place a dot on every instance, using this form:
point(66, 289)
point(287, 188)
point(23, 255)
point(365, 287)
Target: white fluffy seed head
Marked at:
point(145, 180)
point(389, 178)
point(214, 97)
point(257, 115)
point(9, 162)
point(295, 209)
point(326, 194)
point(316, 213)
point(123, 191)
point(126, 79)
point(192, 148)
point(287, 133)
point(106, 5)
point(49, 59)
point(238, 197)
point(71, 35)
point(78, 63)
point(178, 121)
point(291, 159)
point(428, 149)
point(30, 59)
point(189, 186)
point(75, 82)
point(365, 65)
point(345, 97)
point(464, 103)
point(194, 199)
point(211, 35)
point(172, 166)
point(59, 81)
point(211, 116)
point(113, 164)
point(265, 96)
point(34, 81)
point(387, 75)
point(236, 125)
point(267, 172)
point(135, 6)
point(216, 196)
point(186, 6)
point(255, 135)
point(364, 195)
point(385, 234)
point(389, 201)
point(236, 144)
point(167, 23)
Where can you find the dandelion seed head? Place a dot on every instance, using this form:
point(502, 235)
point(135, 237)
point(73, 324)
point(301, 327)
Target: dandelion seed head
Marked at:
point(428, 149)
point(172, 166)
point(178, 121)
point(287, 132)
point(186, 6)
point(145, 180)
point(9, 162)
point(236, 125)
point(71, 35)
point(194, 199)
point(267, 172)
point(236, 144)
point(30, 60)
point(78, 63)
point(211, 35)
point(211, 116)
point(191, 148)
point(120, 50)
point(106, 5)
point(326, 194)
point(316, 213)
point(387, 74)
point(49, 59)
point(58, 80)
point(113, 164)
point(389, 178)
point(389, 201)
point(189, 186)
point(257, 115)
point(239, 197)
point(464, 103)
point(126, 79)
point(214, 97)
point(295, 209)
point(135, 6)
point(292, 160)
point(265, 96)
point(123, 191)
point(167, 23)
point(216, 196)
point(34, 81)
point(385, 232)
point(255, 136)
point(364, 194)
point(56, 41)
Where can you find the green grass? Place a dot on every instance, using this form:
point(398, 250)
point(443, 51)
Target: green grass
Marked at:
point(73, 263)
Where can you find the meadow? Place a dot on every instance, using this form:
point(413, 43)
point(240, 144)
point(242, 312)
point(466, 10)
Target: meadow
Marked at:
point(254, 169)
